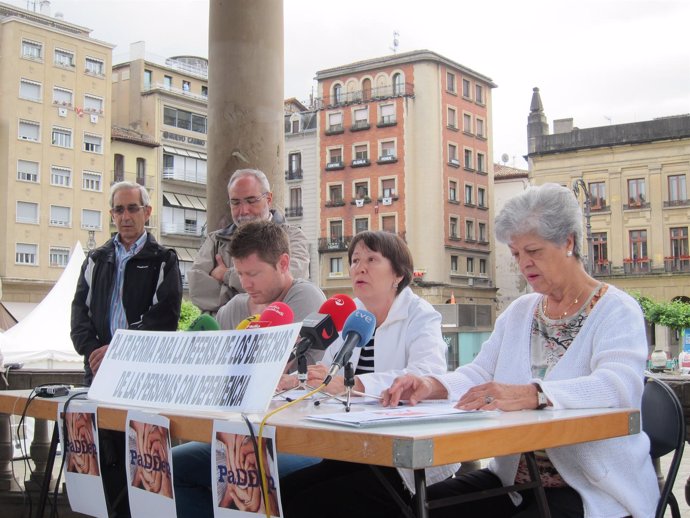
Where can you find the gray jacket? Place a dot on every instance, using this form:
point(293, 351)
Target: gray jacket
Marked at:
point(210, 295)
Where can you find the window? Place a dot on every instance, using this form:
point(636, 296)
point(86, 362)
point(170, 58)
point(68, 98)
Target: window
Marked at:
point(93, 143)
point(25, 253)
point(388, 187)
point(338, 93)
point(679, 242)
point(62, 96)
point(204, 90)
point(597, 195)
point(141, 171)
point(388, 149)
point(468, 159)
point(467, 123)
point(636, 192)
point(58, 256)
point(167, 82)
point(480, 128)
point(638, 244)
point(470, 265)
point(27, 212)
point(479, 94)
point(295, 163)
point(600, 247)
point(335, 193)
point(469, 230)
point(184, 119)
point(30, 90)
point(482, 232)
point(453, 191)
point(296, 199)
point(64, 58)
point(388, 223)
point(361, 116)
point(361, 225)
point(95, 67)
point(452, 118)
point(482, 267)
point(29, 130)
point(481, 197)
point(453, 154)
point(93, 104)
point(32, 50)
point(468, 194)
point(481, 163)
point(91, 219)
point(335, 156)
point(450, 82)
point(361, 190)
point(336, 230)
point(453, 263)
point(398, 85)
point(91, 181)
point(361, 152)
point(336, 266)
point(119, 168)
point(466, 88)
point(60, 216)
point(27, 171)
point(387, 114)
point(366, 89)
point(453, 228)
point(148, 79)
point(295, 126)
point(186, 86)
point(61, 137)
point(676, 189)
point(335, 121)
point(60, 176)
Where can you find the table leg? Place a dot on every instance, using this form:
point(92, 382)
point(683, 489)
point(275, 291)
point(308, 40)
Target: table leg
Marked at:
point(420, 493)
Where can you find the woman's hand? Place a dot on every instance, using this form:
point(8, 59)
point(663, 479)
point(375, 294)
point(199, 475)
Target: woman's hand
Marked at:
point(414, 389)
point(499, 396)
point(287, 382)
point(316, 375)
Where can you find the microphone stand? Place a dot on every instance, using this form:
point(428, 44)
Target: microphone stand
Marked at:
point(301, 377)
point(349, 386)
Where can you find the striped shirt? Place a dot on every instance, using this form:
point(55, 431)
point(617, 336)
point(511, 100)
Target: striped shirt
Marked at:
point(365, 365)
point(118, 318)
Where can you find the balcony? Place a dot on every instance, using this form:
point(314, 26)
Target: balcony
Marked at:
point(677, 203)
point(168, 173)
point(636, 204)
point(602, 267)
point(600, 208)
point(335, 165)
point(359, 202)
point(677, 264)
point(387, 120)
point(637, 266)
point(334, 244)
point(362, 96)
point(295, 174)
point(339, 202)
point(360, 162)
point(360, 126)
point(185, 229)
point(294, 212)
point(387, 159)
point(335, 129)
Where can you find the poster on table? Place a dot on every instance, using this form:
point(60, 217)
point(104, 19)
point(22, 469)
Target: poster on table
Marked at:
point(149, 466)
point(234, 371)
point(237, 491)
point(79, 440)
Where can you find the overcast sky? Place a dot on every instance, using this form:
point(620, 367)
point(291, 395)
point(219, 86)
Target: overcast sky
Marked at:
point(597, 61)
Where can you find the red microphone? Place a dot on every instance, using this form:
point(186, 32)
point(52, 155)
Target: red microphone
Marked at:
point(339, 307)
point(319, 330)
point(275, 314)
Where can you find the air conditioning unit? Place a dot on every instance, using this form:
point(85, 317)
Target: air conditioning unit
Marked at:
point(94, 118)
point(386, 201)
point(62, 112)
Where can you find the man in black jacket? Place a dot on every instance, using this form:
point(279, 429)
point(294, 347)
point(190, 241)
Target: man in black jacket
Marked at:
point(131, 282)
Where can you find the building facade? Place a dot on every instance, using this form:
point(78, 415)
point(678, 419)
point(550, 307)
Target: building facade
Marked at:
point(162, 102)
point(404, 145)
point(55, 117)
point(632, 180)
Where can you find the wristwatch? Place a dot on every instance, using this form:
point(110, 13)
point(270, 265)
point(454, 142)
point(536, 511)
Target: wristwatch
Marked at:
point(542, 400)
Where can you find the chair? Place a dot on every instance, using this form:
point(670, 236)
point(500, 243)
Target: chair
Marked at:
point(664, 423)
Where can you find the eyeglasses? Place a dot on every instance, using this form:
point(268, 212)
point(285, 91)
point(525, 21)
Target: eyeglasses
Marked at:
point(132, 209)
point(234, 202)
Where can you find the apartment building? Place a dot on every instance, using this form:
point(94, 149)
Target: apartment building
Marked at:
point(55, 121)
point(159, 115)
point(632, 182)
point(404, 146)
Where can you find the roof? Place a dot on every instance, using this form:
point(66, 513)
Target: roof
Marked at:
point(504, 172)
point(130, 135)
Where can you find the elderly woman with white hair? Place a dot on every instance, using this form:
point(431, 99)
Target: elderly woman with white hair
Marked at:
point(573, 343)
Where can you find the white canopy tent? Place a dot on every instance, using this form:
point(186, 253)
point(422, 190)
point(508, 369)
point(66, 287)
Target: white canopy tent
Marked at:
point(42, 340)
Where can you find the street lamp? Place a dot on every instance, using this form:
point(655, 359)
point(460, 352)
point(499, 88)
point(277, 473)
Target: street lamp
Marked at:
point(580, 185)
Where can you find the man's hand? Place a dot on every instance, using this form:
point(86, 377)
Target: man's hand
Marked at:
point(218, 273)
point(414, 389)
point(96, 357)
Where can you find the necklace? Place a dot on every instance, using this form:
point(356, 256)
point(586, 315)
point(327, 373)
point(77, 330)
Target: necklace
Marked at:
point(545, 306)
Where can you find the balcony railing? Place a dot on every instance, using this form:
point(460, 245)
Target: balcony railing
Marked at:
point(635, 266)
point(359, 96)
point(677, 203)
point(677, 263)
point(602, 267)
point(181, 228)
point(387, 159)
point(183, 176)
point(360, 125)
point(332, 166)
point(636, 206)
point(294, 212)
point(334, 244)
point(294, 174)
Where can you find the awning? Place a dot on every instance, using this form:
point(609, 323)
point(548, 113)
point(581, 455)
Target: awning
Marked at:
point(170, 200)
point(186, 254)
point(185, 152)
point(184, 201)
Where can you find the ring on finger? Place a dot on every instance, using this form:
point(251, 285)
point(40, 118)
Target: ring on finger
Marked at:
point(488, 400)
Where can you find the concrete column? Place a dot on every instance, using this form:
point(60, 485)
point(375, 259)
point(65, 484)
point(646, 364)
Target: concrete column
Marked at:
point(245, 97)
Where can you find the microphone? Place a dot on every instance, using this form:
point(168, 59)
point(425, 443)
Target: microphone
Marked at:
point(358, 330)
point(204, 323)
point(275, 314)
point(320, 329)
point(247, 321)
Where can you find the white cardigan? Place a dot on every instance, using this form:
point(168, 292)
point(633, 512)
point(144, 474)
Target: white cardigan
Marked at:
point(602, 368)
point(408, 341)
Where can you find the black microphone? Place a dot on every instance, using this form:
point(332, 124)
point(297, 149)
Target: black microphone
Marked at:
point(320, 329)
point(358, 330)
